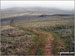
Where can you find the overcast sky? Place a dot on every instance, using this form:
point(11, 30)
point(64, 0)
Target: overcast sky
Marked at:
point(64, 5)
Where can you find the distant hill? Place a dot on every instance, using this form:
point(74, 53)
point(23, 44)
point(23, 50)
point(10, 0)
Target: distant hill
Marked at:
point(17, 11)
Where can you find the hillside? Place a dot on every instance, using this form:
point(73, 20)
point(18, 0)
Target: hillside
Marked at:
point(37, 35)
point(18, 11)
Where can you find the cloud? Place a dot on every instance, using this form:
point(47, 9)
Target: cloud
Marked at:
point(64, 5)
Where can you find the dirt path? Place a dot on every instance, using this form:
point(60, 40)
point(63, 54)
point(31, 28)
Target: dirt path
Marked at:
point(48, 45)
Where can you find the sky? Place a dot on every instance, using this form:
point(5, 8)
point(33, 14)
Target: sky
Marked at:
point(64, 5)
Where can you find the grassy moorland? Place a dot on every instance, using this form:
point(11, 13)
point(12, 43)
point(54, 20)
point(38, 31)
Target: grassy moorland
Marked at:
point(37, 35)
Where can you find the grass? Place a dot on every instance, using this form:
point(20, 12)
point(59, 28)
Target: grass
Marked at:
point(35, 39)
point(57, 42)
point(39, 51)
point(45, 25)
